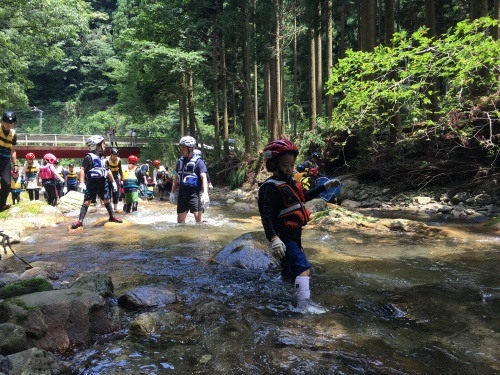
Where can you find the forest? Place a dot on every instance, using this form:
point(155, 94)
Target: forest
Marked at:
point(401, 92)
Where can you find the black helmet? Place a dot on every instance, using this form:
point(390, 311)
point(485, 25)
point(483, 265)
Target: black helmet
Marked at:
point(71, 165)
point(315, 155)
point(114, 151)
point(301, 168)
point(9, 117)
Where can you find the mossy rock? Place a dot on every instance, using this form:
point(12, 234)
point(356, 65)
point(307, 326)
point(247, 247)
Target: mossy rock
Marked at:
point(25, 287)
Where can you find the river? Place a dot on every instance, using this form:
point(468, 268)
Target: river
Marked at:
point(397, 304)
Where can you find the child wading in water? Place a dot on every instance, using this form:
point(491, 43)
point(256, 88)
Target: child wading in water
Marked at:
point(283, 214)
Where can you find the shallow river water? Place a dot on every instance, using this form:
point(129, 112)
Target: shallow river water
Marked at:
point(397, 304)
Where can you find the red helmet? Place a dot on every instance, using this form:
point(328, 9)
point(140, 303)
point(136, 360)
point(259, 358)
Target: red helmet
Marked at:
point(278, 147)
point(30, 156)
point(157, 163)
point(313, 172)
point(132, 159)
point(50, 158)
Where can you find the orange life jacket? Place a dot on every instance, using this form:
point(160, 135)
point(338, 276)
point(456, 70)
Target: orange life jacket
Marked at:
point(294, 214)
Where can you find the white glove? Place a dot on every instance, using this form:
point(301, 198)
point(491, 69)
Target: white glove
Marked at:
point(115, 187)
point(333, 183)
point(210, 186)
point(81, 187)
point(278, 247)
point(172, 198)
point(65, 190)
point(205, 200)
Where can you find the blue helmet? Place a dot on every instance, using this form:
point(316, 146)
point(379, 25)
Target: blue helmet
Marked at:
point(301, 168)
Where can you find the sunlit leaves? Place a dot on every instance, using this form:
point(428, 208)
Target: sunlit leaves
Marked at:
point(465, 57)
point(34, 30)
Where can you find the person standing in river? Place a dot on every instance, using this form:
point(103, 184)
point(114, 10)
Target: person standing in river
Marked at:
point(93, 180)
point(30, 176)
point(8, 141)
point(191, 180)
point(50, 179)
point(283, 214)
point(115, 165)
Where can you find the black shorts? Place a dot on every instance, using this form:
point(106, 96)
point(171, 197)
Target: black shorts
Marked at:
point(98, 187)
point(189, 202)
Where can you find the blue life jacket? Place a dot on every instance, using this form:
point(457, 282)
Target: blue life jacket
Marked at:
point(99, 167)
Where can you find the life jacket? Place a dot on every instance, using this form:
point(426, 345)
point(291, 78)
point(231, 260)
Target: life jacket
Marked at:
point(46, 173)
point(98, 170)
point(31, 171)
point(187, 177)
point(130, 181)
point(71, 178)
point(15, 183)
point(114, 167)
point(160, 174)
point(6, 143)
point(294, 214)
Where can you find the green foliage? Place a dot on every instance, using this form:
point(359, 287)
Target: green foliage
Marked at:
point(34, 30)
point(25, 287)
point(464, 58)
point(238, 176)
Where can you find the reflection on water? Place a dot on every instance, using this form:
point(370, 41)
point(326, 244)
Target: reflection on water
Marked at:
point(397, 304)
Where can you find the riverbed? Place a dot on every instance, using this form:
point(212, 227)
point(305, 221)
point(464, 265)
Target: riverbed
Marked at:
point(397, 303)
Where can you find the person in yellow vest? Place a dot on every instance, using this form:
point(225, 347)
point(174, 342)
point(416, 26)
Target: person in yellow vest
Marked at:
point(15, 185)
point(71, 178)
point(131, 185)
point(8, 141)
point(115, 166)
point(29, 174)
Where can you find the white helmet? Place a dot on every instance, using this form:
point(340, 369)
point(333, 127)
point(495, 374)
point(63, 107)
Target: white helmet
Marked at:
point(93, 141)
point(187, 141)
point(196, 152)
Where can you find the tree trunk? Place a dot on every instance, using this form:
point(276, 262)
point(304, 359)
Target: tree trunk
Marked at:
point(312, 83)
point(247, 84)
point(275, 75)
point(329, 54)
point(342, 32)
point(255, 131)
point(192, 125)
point(295, 72)
point(215, 87)
point(319, 75)
point(183, 106)
point(496, 16)
point(267, 96)
point(233, 103)
point(225, 119)
point(395, 126)
point(478, 9)
point(368, 17)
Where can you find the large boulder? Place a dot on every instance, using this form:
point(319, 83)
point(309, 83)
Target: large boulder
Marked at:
point(59, 320)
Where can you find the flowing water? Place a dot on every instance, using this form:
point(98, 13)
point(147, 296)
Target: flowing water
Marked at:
point(397, 304)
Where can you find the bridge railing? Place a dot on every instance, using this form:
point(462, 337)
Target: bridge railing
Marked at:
point(25, 139)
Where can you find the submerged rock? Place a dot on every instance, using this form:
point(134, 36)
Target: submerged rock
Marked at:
point(148, 296)
point(250, 250)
